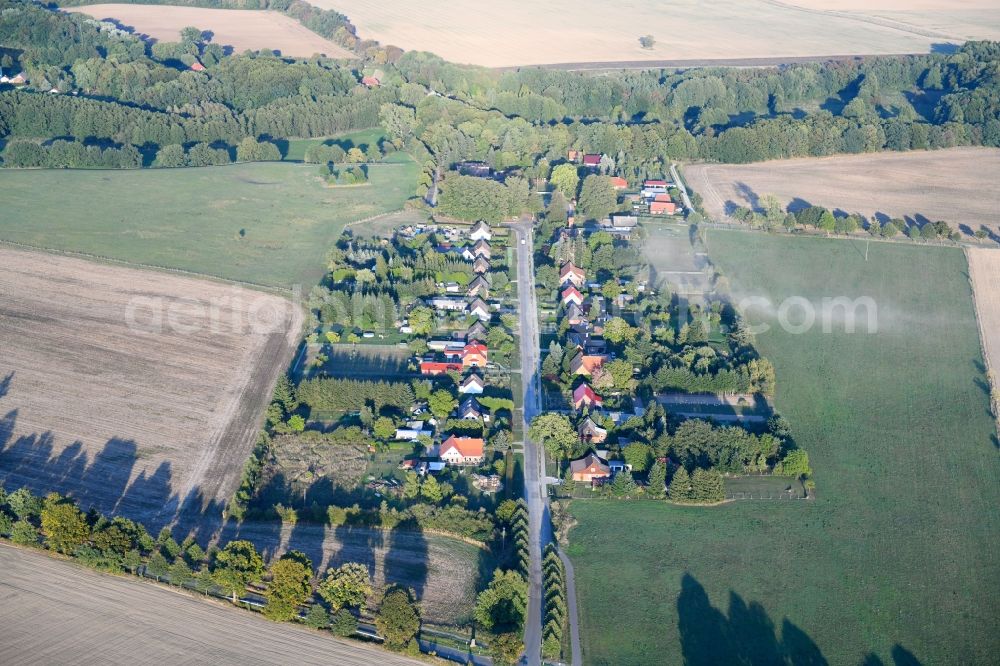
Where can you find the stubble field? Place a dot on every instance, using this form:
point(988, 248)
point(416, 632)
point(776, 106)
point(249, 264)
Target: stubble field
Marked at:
point(239, 29)
point(520, 32)
point(136, 392)
point(984, 272)
point(896, 557)
point(955, 185)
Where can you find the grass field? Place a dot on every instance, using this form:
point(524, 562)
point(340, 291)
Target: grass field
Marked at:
point(955, 185)
point(295, 150)
point(240, 30)
point(191, 219)
point(898, 553)
point(136, 392)
point(520, 32)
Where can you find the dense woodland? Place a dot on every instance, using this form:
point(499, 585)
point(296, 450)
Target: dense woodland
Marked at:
point(117, 91)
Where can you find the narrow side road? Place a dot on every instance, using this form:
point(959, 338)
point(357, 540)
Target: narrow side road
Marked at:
point(681, 186)
point(535, 494)
point(574, 621)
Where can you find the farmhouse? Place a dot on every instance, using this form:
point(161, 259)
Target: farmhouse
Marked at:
point(480, 286)
point(584, 396)
point(572, 295)
point(481, 265)
point(590, 468)
point(480, 231)
point(591, 433)
point(432, 368)
point(479, 308)
point(473, 384)
point(462, 450)
point(571, 273)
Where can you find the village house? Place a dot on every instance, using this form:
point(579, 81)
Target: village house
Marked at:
point(592, 160)
point(654, 186)
point(462, 450)
point(370, 81)
point(589, 469)
point(480, 231)
point(583, 364)
point(575, 315)
point(619, 183)
point(481, 265)
point(478, 308)
point(413, 431)
point(476, 332)
point(473, 384)
point(591, 433)
point(573, 155)
point(440, 345)
point(448, 304)
point(572, 273)
point(662, 208)
point(572, 295)
point(584, 396)
point(481, 249)
point(623, 223)
point(474, 355)
point(432, 368)
point(197, 66)
point(479, 286)
point(471, 410)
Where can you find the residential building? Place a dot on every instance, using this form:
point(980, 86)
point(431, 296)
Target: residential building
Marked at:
point(432, 368)
point(572, 273)
point(471, 410)
point(583, 364)
point(439, 345)
point(473, 384)
point(480, 231)
point(662, 208)
point(462, 450)
point(619, 183)
point(592, 160)
point(476, 169)
point(476, 332)
point(481, 265)
point(655, 185)
point(479, 286)
point(624, 222)
point(197, 67)
point(590, 468)
point(474, 355)
point(370, 81)
point(479, 308)
point(591, 433)
point(575, 315)
point(572, 295)
point(584, 396)
point(481, 249)
point(448, 304)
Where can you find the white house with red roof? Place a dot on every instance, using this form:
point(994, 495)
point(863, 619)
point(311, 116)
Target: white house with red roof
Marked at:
point(572, 295)
point(462, 450)
point(570, 272)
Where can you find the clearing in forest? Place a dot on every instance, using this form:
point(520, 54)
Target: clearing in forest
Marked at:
point(955, 185)
point(520, 32)
point(136, 392)
point(240, 29)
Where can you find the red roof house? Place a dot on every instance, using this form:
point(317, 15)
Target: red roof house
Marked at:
point(438, 367)
point(619, 183)
point(570, 272)
point(591, 160)
point(198, 67)
point(663, 196)
point(652, 184)
point(370, 81)
point(584, 396)
point(462, 450)
point(572, 295)
point(662, 208)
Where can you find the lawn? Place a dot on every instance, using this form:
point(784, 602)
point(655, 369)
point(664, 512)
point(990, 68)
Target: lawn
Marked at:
point(266, 223)
point(898, 554)
point(294, 150)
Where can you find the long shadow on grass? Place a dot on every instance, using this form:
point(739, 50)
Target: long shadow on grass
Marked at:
point(748, 635)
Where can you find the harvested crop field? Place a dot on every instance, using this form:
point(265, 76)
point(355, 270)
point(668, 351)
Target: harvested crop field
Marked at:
point(56, 612)
point(520, 32)
point(135, 392)
point(442, 571)
point(984, 271)
point(239, 29)
point(956, 185)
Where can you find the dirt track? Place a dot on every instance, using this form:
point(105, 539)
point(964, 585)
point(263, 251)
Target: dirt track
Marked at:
point(955, 185)
point(55, 612)
point(98, 400)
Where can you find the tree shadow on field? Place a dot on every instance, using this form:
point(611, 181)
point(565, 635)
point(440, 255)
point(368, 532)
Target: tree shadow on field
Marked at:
point(5, 384)
point(406, 561)
point(748, 635)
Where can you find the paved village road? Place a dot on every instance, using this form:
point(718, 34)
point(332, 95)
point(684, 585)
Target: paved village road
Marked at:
point(57, 612)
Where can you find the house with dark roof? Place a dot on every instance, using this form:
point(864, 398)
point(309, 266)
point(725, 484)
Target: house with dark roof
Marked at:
point(589, 468)
point(472, 384)
point(471, 410)
point(481, 249)
point(479, 286)
point(590, 432)
point(476, 332)
point(481, 265)
point(480, 231)
point(479, 308)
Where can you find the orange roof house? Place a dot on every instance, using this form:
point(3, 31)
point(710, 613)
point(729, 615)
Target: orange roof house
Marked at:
point(474, 355)
point(582, 364)
point(462, 450)
point(370, 81)
point(662, 208)
point(198, 67)
point(619, 183)
point(662, 196)
point(584, 396)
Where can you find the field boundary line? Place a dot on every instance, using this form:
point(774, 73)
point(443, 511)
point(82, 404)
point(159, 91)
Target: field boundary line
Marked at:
point(134, 264)
point(991, 379)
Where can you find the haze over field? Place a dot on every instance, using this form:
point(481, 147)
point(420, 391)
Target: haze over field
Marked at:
point(519, 32)
point(241, 29)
